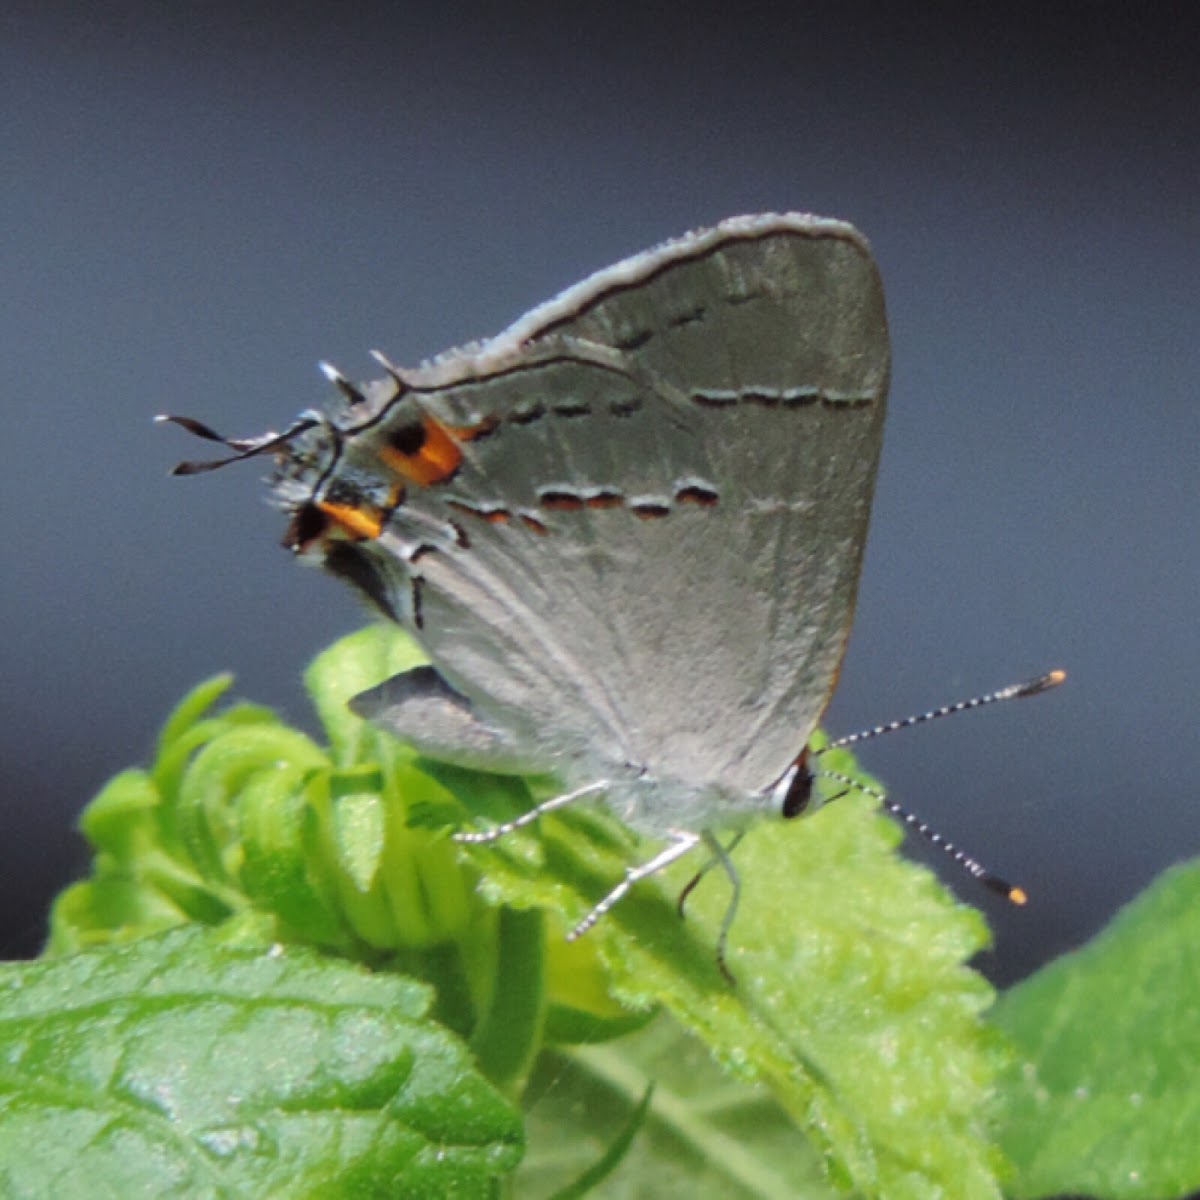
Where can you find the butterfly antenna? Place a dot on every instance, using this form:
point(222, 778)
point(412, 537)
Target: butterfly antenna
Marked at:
point(1015, 691)
point(973, 867)
point(970, 864)
point(241, 447)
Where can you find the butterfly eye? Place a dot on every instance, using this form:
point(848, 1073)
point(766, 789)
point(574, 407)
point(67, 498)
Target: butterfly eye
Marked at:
point(307, 526)
point(797, 794)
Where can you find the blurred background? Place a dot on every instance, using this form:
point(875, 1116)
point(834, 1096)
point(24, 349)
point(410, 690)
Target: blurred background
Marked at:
point(200, 201)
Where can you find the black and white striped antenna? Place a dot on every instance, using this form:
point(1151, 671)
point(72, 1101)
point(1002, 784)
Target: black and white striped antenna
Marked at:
point(970, 864)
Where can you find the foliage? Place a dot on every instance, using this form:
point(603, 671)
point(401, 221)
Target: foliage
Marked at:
point(259, 903)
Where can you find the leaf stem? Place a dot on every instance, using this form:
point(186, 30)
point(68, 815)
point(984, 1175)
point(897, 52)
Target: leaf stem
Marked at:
point(679, 1116)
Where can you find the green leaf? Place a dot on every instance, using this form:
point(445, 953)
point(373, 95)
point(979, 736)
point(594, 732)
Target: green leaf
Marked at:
point(1104, 1099)
point(184, 1066)
point(192, 709)
point(241, 812)
point(509, 1030)
point(121, 820)
point(352, 665)
point(207, 812)
point(108, 910)
point(852, 1002)
point(702, 1136)
point(280, 871)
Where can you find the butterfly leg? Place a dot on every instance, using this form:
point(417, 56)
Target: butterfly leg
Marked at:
point(704, 870)
point(681, 843)
point(547, 806)
point(721, 855)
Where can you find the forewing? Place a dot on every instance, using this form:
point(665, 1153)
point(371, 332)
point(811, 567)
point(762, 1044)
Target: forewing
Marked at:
point(644, 546)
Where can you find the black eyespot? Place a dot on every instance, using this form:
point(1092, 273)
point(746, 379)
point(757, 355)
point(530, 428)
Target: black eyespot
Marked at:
point(407, 439)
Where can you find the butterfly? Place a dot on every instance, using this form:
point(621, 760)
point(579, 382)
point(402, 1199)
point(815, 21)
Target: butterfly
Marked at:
point(627, 531)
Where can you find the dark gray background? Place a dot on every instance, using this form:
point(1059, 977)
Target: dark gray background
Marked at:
point(199, 201)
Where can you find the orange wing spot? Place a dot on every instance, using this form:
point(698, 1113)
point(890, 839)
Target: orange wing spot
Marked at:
point(1018, 896)
point(434, 461)
point(534, 524)
point(496, 516)
point(357, 523)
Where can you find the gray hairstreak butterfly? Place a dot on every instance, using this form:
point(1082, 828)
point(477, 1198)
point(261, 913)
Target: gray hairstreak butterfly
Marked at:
point(627, 531)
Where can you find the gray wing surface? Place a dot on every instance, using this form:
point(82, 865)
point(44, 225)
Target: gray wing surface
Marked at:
point(656, 548)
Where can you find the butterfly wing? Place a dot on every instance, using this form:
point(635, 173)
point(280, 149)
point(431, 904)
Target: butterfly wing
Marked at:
point(637, 539)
